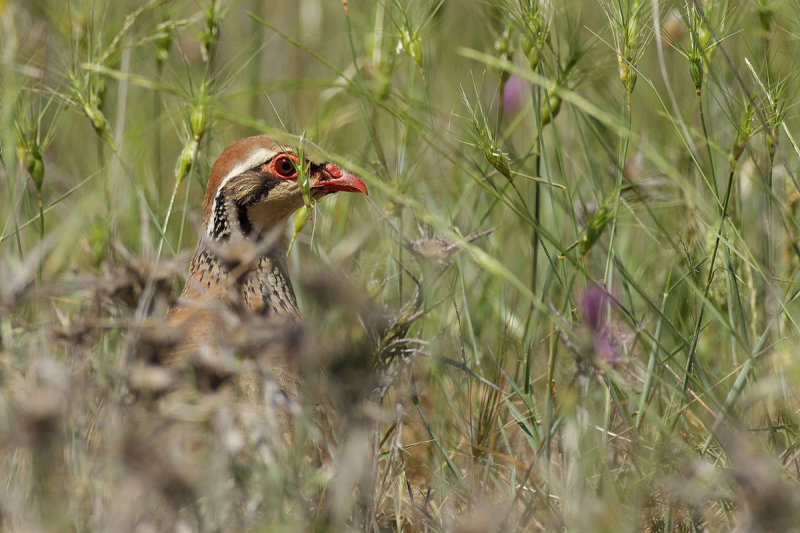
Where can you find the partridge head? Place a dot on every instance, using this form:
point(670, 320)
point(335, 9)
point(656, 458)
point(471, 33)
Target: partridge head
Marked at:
point(254, 185)
point(239, 261)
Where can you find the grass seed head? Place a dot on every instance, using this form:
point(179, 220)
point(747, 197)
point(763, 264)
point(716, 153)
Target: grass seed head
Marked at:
point(485, 139)
point(696, 68)
point(498, 159)
point(766, 13)
point(163, 45)
point(210, 36)
point(550, 107)
point(198, 122)
point(299, 220)
point(630, 38)
point(99, 122)
point(534, 32)
point(409, 43)
point(186, 158)
point(595, 226)
point(30, 155)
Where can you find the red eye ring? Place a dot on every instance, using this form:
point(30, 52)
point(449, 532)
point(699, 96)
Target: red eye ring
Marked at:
point(284, 166)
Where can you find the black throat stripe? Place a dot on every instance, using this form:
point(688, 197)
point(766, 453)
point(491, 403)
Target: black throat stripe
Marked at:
point(221, 229)
point(244, 221)
point(241, 202)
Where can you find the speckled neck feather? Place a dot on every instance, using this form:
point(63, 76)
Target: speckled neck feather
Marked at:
point(261, 285)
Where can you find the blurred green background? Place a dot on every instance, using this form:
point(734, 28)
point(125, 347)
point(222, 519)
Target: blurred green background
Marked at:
point(581, 232)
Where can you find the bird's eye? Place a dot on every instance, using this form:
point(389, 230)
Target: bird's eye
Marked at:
point(284, 166)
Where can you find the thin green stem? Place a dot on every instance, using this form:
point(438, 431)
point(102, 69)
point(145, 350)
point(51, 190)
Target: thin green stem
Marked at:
point(690, 360)
point(651, 363)
point(167, 217)
point(537, 190)
point(41, 232)
point(713, 176)
point(622, 157)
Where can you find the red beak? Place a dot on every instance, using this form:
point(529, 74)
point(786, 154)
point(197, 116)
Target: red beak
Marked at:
point(335, 179)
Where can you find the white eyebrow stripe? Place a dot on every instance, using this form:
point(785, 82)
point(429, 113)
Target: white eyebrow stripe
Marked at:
point(256, 157)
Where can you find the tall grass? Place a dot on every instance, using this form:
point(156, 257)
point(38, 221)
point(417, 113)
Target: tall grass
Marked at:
point(569, 302)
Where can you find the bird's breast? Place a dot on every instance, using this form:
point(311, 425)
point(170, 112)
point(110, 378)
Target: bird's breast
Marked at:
point(266, 289)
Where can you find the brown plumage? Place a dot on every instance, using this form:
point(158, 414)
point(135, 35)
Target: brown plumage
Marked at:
point(238, 274)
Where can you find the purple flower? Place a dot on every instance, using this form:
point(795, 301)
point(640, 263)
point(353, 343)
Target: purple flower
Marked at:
point(591, 304)
point(604, 337)
point(513, 92)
